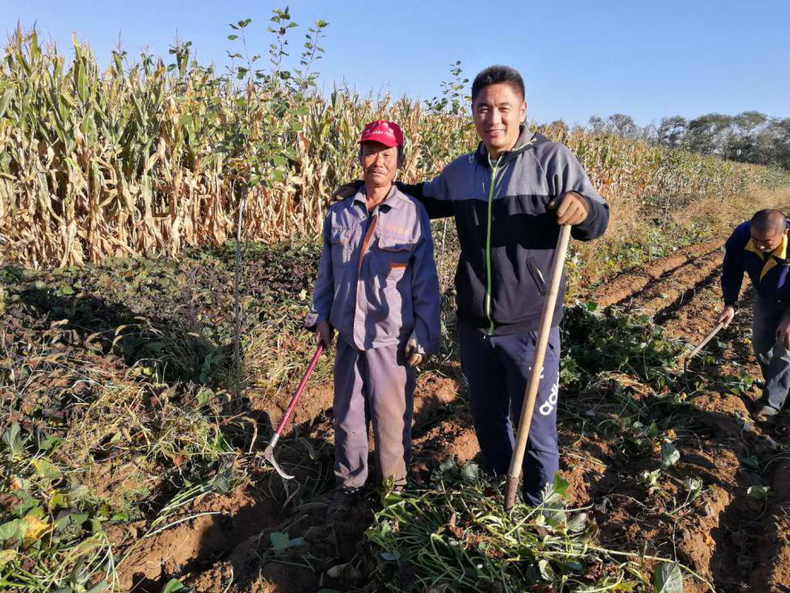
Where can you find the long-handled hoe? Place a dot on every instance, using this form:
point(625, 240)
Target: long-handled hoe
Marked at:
point(268, 454)
point(697, 350)
point(514, 473)
point(704, 342)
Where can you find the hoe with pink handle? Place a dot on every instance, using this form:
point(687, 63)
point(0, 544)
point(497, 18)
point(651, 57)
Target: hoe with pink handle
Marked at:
point(268, 454)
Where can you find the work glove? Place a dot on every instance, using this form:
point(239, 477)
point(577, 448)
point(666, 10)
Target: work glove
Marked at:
point(571, 208)
point(415, 353)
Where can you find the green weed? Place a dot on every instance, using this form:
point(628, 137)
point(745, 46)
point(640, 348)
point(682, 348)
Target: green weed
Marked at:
point(605, 341)
point(456, 536)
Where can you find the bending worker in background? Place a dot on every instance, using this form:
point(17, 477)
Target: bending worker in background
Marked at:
point(377, 286)
point(509, 198)
point(759, 248)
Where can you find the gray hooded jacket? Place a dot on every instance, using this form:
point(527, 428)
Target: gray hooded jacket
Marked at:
point(507, 233)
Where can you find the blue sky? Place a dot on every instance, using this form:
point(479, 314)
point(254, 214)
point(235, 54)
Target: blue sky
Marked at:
point(645, 59)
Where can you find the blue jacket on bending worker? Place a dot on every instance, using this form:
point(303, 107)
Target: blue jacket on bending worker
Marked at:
point(759, 248)
point(768, 271)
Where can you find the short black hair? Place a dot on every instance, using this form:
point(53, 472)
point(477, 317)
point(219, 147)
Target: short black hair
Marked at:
point(769, 220)
point(498, 75)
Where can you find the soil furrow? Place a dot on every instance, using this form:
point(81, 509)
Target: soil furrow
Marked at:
point(632, 282)
point(677, 286)
point(772, 553)
point(731, 537)
point(749, 536)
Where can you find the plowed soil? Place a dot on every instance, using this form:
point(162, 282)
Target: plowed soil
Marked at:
point(738, 541)
point(734, 533)
point(733, 539)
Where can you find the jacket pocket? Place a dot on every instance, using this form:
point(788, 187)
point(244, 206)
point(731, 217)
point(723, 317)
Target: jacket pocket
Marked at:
point(394, 256)
point(537, 275)
point(340, 241)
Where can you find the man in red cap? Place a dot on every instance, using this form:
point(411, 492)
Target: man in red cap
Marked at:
point(377, 286)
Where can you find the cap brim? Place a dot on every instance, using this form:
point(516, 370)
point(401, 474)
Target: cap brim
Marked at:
point(388, 143)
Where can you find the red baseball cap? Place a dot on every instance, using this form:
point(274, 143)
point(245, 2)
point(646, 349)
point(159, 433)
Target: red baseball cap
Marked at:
point(384, 132)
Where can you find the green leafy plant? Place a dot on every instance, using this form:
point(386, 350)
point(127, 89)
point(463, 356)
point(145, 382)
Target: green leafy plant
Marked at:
point(598, 341)
point(457, 535)
point(668, 578)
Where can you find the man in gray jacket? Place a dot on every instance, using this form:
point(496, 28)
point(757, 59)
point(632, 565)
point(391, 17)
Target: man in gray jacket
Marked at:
point(377, 286)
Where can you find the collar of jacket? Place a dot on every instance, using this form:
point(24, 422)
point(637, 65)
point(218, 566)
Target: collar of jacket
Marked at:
point(393, 199)
point(770, 259)
point(780, 252)
point(526, 140)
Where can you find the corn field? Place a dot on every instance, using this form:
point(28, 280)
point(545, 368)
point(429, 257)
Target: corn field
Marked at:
point(150, 158)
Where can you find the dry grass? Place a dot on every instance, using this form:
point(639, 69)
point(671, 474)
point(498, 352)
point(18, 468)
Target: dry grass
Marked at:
point(721, 214)
point(634, 237)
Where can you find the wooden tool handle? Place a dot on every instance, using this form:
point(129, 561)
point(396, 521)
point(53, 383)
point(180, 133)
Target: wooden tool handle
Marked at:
point(514, 473)
point(704, 342)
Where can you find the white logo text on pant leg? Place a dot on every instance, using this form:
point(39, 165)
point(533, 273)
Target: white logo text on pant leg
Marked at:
point(547, 407)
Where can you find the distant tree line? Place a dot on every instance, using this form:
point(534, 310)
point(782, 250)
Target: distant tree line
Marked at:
point(749, 137)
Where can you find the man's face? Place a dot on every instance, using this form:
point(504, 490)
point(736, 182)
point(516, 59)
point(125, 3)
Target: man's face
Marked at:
point(767, 240)
point(379, 163)
point(498, 110)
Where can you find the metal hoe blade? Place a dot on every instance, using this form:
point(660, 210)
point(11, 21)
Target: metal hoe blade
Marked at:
point(268, 455)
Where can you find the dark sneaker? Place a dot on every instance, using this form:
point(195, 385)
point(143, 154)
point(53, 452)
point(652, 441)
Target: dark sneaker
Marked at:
point(341, 500)
point(764, 414)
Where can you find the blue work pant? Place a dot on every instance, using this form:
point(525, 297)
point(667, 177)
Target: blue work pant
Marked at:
point(498, 368)
point(774, 359)
point(372, 387)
